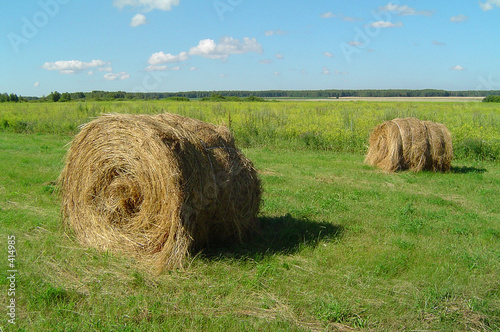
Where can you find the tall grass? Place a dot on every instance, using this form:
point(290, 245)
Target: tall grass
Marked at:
point(337, 126)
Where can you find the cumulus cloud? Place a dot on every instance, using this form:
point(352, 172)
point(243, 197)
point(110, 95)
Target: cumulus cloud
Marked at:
point(489, 4)
point(117, 76)
point(459, 18)
point(325, 71)
point(457, 68)
point(36, 84)
point(227, 46)
point(146, 5)
point(162, 68)
point(328, 54)
point(404, 10)
point(137, 20)
point(156, 68)
point(386, 24)
point(279, 56)
point(160, 57)
point(207, 48)
point(75, 66)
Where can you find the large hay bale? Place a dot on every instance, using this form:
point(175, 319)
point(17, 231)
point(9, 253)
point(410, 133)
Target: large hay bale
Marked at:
point(410, 144)
point(157, 186)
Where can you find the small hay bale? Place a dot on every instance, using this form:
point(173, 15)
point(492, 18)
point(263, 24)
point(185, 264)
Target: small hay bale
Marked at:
point(157, 186)
point(410, 144)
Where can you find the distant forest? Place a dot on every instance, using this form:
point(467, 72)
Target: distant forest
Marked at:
point(244, 95)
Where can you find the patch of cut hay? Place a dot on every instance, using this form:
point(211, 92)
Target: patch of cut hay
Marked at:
point(157, 186)
point(410, 144)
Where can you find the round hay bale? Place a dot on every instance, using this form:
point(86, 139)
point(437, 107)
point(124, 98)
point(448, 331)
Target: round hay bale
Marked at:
point(410, 144)
point(157, 186)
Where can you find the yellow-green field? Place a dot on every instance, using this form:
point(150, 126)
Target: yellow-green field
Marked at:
point(337, 126)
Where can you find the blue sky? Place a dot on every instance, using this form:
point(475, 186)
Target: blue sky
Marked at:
point(181, 45)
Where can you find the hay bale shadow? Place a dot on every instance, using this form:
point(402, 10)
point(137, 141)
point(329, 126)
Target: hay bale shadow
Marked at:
point(467, 170)
point(278, 235)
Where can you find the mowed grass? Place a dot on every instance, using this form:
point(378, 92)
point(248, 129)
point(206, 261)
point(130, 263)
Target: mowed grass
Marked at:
point(343, 246)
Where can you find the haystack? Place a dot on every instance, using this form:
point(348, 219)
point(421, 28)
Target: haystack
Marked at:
point(157, 186)
point(410, 144)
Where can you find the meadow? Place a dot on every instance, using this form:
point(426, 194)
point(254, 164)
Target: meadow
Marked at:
point(334, 126)
point(343, 245)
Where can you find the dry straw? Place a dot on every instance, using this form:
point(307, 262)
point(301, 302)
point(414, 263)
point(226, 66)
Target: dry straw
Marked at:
point(410, 144)
point(157, 186)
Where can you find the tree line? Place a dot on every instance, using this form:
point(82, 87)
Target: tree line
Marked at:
point(491, 99)
point(249, 95)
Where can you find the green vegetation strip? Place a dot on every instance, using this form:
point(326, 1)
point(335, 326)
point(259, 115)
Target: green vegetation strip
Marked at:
point(343, 246)
point(332, 126)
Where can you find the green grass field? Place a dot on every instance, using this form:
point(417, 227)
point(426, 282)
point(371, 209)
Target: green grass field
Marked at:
point(343, 246)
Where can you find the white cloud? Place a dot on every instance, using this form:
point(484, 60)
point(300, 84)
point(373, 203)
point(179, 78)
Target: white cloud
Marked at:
point(457, 68)
point(386, 24)
point(147, 5)
point(75, 66)
point(355, 43)
point(36, 84)
point(489, 4)
point(436, 43)
point(160, 57)
point(266, 61)
point(193, 68)
point(404, 10)
point(275, 32)
point(114, 76)
point(277, 73)
point(227, 46)
point(328, 54)
point(459, 18)
point(156, 68)
point(137, 20)
point(279, 56)
point(325, 71)
point(338, 72)
point(161, 68)
point(207, 48)
point(341, 16)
